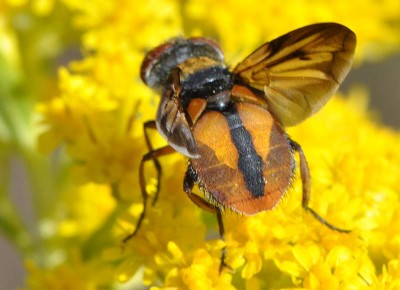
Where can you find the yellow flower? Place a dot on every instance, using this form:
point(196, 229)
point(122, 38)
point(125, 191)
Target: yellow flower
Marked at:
point(90, 206)
point(72, 274)
point(242, 26)
point(390, 278)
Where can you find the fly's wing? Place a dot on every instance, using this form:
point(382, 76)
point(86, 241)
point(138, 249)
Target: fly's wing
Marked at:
point(301, 70)
point(172, 124)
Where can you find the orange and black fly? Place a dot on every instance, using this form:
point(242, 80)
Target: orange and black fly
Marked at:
point(229, 123)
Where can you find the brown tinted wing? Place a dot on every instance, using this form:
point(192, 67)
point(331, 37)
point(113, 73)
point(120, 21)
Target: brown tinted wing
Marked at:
point(245, 161)
point(301, 70)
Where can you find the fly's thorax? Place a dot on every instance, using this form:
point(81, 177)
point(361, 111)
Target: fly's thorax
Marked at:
point(195, 64)
point(212, 83)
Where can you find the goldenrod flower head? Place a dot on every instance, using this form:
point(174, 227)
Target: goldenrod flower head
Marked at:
point(97, 117)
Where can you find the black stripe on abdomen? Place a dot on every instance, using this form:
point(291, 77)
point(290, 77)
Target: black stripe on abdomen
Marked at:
point(249, 163)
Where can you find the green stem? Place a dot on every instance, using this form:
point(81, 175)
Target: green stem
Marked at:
point(11, 225)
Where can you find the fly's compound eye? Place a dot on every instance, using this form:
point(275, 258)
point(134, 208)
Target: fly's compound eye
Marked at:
point(158, 63)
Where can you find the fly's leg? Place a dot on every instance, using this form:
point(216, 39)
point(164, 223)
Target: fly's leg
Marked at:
point(188, 184)
point(306, 182)
point(146, 126)
point(153, 155)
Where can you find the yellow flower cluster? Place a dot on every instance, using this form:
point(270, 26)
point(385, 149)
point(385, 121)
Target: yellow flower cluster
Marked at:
point(98, 115)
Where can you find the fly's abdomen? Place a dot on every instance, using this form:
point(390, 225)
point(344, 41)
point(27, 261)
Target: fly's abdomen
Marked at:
point(245, 160)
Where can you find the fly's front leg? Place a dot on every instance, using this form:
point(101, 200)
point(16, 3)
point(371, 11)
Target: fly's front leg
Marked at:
point(188, 184)
point(146, 126)
point(306, 182)
point(152, 155)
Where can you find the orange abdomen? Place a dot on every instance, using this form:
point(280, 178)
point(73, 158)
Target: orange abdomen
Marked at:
point(245, 160)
